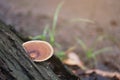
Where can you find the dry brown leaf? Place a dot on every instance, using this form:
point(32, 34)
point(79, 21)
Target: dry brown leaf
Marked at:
point(73, 59)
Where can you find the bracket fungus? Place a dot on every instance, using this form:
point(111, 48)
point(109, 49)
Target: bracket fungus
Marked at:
point(38, 50)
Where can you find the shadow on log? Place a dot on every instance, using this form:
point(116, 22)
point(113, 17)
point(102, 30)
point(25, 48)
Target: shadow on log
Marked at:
point(16, 65)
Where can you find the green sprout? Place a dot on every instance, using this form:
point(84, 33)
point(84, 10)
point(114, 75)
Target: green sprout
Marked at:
point(49, 34)
point(90, 52)
point(54, 25)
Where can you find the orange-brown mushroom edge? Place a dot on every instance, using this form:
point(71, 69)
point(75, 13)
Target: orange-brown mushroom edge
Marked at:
point(38, 50)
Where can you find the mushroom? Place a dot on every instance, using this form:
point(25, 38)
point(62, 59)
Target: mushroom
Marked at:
point(38, 50)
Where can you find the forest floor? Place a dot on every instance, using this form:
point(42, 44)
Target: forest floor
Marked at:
point(30, 18)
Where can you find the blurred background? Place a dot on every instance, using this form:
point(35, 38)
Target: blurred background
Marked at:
point(89, 28)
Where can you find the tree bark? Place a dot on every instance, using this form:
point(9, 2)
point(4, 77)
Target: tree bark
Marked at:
point(16, 65)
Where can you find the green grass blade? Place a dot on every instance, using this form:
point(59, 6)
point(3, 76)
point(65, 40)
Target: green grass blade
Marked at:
point(55, 18)
point(61, 55)
point(89, 53)
point(52, 38)
point(56, 15)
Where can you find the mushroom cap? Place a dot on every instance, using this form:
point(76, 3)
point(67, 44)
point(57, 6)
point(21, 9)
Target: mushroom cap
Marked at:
point(38, 50)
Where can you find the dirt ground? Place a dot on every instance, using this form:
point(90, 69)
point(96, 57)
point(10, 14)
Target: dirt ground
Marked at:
point(31, 17)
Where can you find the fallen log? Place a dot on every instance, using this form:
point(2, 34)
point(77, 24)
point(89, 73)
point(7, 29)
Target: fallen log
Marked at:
point(15, 64)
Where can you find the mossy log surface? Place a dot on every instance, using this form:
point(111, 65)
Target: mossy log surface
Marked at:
point(15, 64)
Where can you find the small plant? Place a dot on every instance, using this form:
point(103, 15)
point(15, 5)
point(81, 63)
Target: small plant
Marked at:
point(49, 34)
point(90, 52)
point(54, 25)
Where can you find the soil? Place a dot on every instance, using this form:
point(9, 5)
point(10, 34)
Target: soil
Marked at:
point(30, 18)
